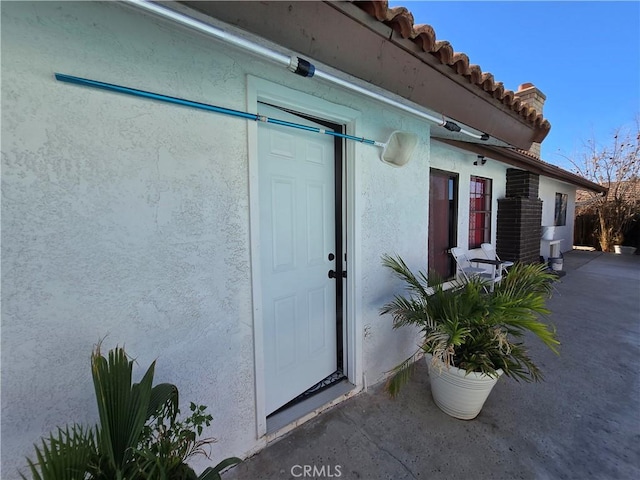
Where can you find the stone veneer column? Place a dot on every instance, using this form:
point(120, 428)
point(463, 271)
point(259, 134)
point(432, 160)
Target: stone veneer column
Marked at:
point(519, 218)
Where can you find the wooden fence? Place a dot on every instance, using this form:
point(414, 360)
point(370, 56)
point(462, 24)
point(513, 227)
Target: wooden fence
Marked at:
point(585, 228)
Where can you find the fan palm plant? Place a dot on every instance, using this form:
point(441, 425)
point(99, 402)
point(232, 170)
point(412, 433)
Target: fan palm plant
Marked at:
point(138, 437)
point(465, 327)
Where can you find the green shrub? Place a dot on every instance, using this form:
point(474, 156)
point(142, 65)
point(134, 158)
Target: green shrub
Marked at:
point(139, 435)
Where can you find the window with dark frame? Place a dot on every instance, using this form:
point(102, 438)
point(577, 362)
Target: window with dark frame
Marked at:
point(479, 211)
point(560, 216)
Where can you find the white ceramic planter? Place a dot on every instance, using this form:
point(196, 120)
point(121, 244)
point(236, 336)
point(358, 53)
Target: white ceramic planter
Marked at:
point(624, 250)
point(457, 393)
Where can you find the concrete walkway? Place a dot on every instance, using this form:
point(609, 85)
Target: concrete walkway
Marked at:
point(583, 422)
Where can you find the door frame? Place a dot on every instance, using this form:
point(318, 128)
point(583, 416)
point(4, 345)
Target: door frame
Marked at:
point(453, 223)
point(262, 90)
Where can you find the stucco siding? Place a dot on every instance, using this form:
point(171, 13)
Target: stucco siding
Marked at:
point(394, 221)
point(122, 219)
point(548, 189)
point(128, 220)
point(457, 161)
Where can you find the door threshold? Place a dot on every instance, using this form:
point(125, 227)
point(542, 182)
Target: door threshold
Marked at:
point(312, 404)
point(323, 384)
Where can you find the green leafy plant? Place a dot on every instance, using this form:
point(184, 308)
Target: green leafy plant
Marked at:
point(466, 327)
point(64, 456)
point(139, 435)
point(124, 408)
point(168, 443)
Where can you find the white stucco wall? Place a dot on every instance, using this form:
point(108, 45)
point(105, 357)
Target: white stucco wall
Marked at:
point(394, 221)
point(128, 220)
point(547, 192)
point(457, 161)
point(121, 218)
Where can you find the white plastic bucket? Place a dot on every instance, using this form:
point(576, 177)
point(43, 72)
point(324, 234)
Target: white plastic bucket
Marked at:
point(556, 263)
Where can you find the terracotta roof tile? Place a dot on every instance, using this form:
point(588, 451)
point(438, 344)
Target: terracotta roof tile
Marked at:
point(630, 192)
point(564, 174)
point(530, 155)
point(401, 20)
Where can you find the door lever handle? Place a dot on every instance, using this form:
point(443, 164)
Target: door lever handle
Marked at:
point(334, 274)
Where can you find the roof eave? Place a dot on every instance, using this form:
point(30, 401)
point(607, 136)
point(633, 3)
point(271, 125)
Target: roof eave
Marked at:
point(345, 37)
point(527, 162)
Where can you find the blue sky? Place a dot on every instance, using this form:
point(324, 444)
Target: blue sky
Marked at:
point(584, 56)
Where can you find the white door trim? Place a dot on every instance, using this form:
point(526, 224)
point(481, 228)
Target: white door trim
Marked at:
point(262, 90)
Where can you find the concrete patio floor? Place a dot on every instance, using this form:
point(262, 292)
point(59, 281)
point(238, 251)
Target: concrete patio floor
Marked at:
point(582, 422)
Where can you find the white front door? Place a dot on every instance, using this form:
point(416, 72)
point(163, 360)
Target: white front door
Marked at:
point(297, 236)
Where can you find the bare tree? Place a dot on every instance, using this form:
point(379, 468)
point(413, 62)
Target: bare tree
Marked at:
point(617, 167)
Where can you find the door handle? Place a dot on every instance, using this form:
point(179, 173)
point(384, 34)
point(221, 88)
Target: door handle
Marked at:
point(334, 274)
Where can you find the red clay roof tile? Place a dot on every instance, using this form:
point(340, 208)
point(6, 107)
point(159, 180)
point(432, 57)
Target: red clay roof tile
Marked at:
point(401, 20)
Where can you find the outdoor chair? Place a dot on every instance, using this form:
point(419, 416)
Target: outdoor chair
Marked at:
point(491, 254)
point(467, 271)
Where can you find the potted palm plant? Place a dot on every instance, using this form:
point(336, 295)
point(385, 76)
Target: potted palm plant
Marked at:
point(471, 337)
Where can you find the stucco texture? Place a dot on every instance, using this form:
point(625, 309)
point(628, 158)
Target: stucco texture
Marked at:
point(548, 189)
point(122, 220)
point(461, 162)
point(128, 220)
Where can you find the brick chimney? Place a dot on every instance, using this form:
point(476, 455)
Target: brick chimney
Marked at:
point(529, 94)
point(519, 218)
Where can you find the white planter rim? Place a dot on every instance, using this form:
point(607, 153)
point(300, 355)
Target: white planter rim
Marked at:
point(624, 250)
point(438, 365)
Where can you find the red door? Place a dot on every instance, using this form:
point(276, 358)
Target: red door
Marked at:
point(442, 221)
